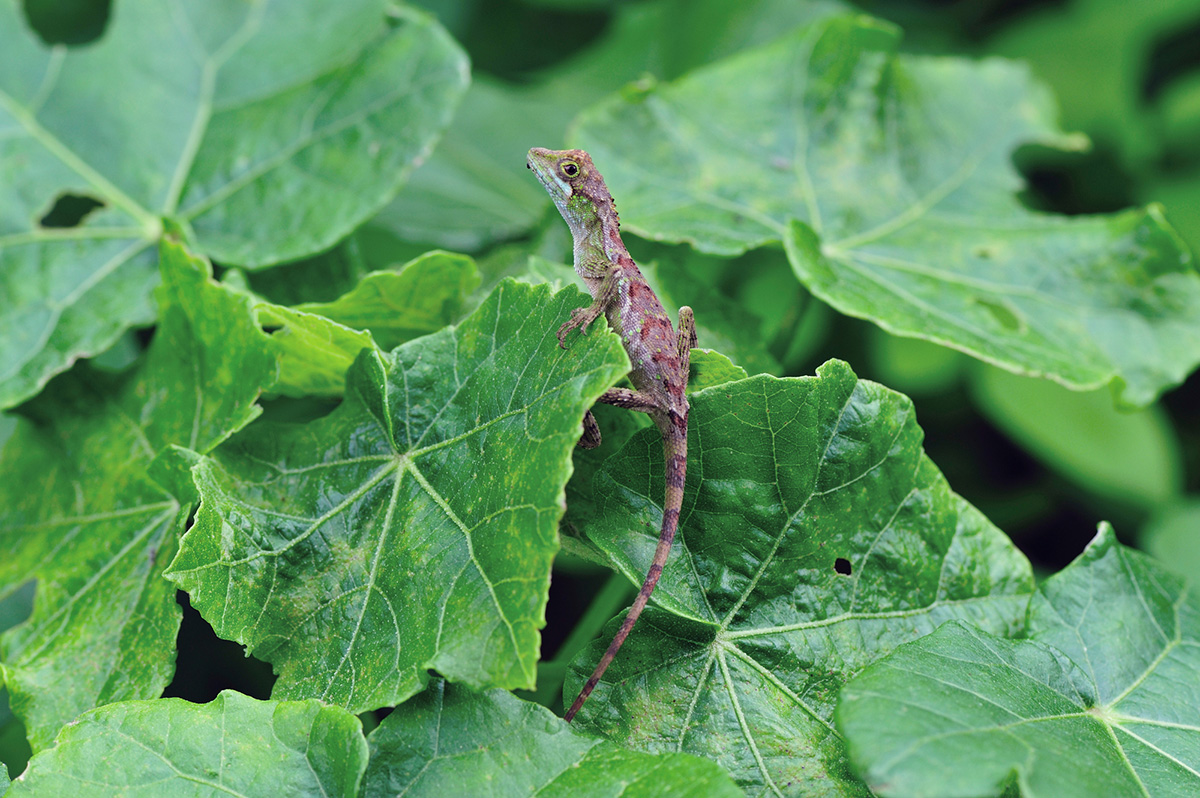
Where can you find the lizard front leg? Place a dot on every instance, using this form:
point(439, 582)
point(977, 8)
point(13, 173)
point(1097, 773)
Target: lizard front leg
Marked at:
point(582, 317)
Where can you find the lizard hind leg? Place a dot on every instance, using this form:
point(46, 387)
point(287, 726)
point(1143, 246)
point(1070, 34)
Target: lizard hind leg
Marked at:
point(591, 437)
point(630, 400)
point(687, 337)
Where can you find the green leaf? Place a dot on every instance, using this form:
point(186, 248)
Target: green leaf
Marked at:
point(472, 191)
point(648, 39)
point(914, 366)
point(709, 368)
point(1103, 700)
point(1179, 116)
point(98, 532)
point(317, 341)
point(314, 352)
point(422, 297)
point(414, 526)
point(1132, 457)
point(325, 277)
point(211, 122)
point(815, 537)
point(233, 745)
point(1178, 191)
point(450, 741)
point(888, 179)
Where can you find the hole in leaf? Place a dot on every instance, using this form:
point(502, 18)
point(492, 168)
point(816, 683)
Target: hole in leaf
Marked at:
point(17, 606)
point(70, 22)
point(207, 664)
point(842, 566)
point(1075, 182)
point(1007, 318)
point(70, 210)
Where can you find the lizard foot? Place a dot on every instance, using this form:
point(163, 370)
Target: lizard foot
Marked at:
point(580, 318)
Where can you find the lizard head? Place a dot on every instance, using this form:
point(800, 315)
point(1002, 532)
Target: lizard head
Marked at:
point(572, 182)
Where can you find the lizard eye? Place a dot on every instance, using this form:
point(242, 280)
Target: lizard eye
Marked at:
point(569, 168)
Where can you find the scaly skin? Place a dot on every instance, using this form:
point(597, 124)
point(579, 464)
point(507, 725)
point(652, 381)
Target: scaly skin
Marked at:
point(659, 355)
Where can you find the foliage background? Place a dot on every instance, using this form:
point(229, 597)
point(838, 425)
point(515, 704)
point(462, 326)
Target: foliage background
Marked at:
point(1129, 79)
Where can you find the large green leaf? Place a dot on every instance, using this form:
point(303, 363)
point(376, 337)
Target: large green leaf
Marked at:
point(1103, 700)
point(102, 523)
point(264, 135)
point(888, 178)
point(414, 526)
point(815, 537)
point(232, 745)
point(450, 741)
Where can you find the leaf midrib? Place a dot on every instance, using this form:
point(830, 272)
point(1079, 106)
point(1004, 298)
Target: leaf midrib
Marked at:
point(150, 227)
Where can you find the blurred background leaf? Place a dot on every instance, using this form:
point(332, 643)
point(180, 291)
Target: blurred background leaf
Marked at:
point(1042, 463)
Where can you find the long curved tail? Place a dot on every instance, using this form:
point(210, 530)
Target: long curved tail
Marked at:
point(675, 450)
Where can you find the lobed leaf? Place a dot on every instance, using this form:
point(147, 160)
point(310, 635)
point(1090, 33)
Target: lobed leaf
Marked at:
point(419, 298)
point(451, 741)
point(102, 525)
point(314, 352)
point(888, 180)
point(210, 122)
point(233, 745)
point(317, 341)
point(414, 526)
point(709, 368)
point(1101, 700)
point(815, 537)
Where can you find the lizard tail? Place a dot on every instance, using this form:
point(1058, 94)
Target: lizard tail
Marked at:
point(675, 448)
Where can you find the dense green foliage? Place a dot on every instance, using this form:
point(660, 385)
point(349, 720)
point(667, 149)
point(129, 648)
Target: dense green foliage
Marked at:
point(278, 376)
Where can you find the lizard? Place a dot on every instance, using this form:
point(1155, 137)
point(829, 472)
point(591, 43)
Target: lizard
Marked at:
point(659, 356)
